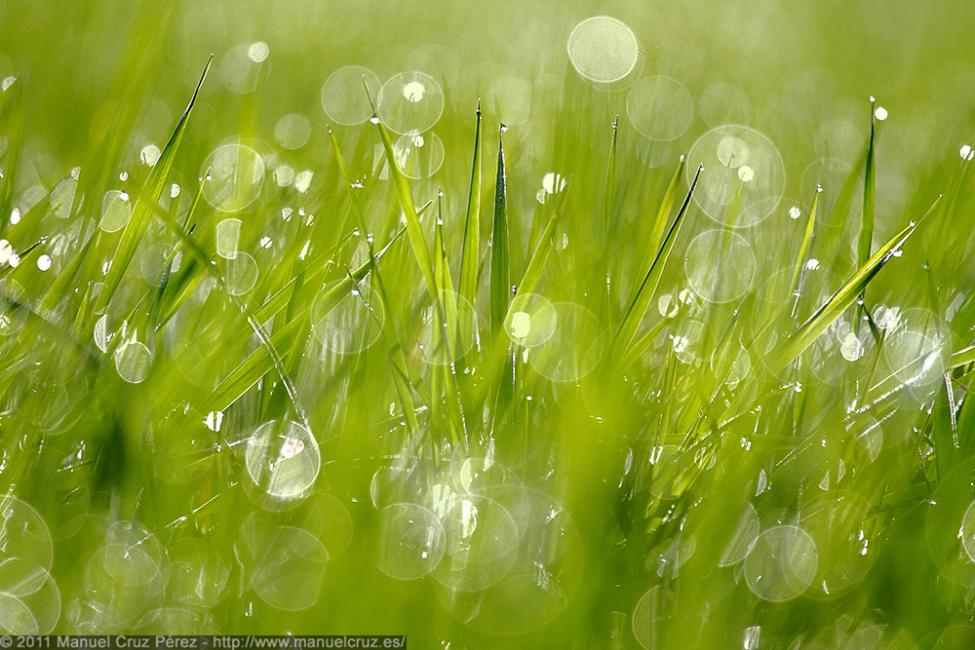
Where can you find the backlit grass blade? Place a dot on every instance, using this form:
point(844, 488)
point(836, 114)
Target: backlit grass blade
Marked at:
point(143, 208)
point(500, 258)
point(663, 211)
point(472, 223)
point(962, 358)
point(865, 239)
point(798, 274)
point(414, 230)
point(643, 294)
point(610, 179)
point(259, 362)
point(842, 298)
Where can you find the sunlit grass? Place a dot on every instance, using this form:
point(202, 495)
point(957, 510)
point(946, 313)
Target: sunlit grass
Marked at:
point(619, 371)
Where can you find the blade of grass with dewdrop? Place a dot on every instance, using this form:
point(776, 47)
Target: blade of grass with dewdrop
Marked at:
point(142, 211)
point(865, 239)
point(610, 180)
point(472, 223)
point(798, 273)
point(500, 288)
point(414, 229)
point(843, 298)
point(663, 211)
point(536, 264)
point(643, 294)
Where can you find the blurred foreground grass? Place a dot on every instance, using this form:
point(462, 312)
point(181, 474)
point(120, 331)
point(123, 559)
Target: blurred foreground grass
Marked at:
point(268, 365)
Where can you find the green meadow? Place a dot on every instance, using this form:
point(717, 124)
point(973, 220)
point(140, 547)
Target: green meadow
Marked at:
point(500, 325)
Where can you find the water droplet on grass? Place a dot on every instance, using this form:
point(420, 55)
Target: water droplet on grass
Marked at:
point(150, 155)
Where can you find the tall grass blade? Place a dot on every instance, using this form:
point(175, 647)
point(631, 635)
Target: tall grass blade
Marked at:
point(845, 296)
point(472, 223)
point(643, 294)
point(414, 230)
point(500, 258)
point(146, 201)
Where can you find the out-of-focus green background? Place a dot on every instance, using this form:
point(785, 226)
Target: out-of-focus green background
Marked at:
point(93, 84)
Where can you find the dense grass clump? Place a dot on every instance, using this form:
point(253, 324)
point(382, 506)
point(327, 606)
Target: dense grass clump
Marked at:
point(539, 328)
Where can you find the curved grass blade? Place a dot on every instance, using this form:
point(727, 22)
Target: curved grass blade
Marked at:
point(143, 209)
point(845, 296)
point(644, 293)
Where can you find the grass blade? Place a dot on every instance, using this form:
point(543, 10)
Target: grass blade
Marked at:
point(472, 223)
point(500, 259)
point(414, 230)
point(143, 209)
point(865, 239)
point(842, 298)
point(798, 273)
point(644, 293)
point(670, 197)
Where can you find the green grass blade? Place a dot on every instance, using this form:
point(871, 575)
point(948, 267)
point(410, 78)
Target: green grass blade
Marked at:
point(865, 239)
point(663, 211)
point(640, 301)
point(146, 201)
point(795, 284)
point(414, 230)
point(500, 258)
point(610, 179)
point(261, 361)
point(472, 223)
point(845, 296)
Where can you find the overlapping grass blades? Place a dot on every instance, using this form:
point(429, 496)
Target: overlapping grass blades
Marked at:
point(843, 298)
